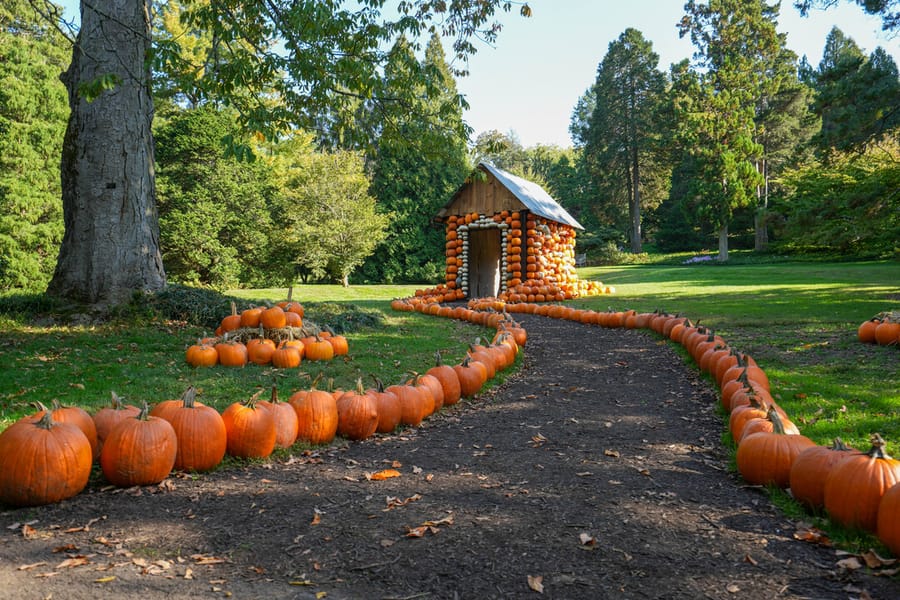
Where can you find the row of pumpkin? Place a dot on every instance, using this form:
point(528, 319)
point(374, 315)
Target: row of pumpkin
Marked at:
point(857, 489)
point(48, 456)
point(882, 329)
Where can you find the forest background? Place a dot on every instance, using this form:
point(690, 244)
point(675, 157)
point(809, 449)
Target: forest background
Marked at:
point(746, 147)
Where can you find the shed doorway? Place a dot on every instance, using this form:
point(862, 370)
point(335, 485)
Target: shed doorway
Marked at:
point(484, 262)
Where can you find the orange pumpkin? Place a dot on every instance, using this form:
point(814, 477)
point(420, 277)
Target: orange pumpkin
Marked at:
point(44, 461)
point(387, 405)
point(141, 450)
point(317, 416)
point(108, 417)
point(854, 487)
point(811, 469)
point(250, 429)
point(357, 414)
point(286, 423)
point(200, 431)
point(766, 458)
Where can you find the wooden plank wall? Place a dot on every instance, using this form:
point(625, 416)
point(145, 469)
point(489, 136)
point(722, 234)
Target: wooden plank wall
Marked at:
point(485, 198)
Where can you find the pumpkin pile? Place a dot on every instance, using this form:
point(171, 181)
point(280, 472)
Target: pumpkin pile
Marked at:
point(274, 335)
point(537, 259)
point(856, 489)
point(882, 329)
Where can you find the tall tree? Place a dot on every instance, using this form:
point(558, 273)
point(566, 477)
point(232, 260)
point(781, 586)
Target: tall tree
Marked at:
point(623, 124)
point(327, 58)
point(888, 10)
point(857, 97)
point(417, 165)
point(736, 42)
point(32, 121)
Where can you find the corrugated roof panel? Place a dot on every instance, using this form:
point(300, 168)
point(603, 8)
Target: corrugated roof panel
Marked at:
point(533, 196)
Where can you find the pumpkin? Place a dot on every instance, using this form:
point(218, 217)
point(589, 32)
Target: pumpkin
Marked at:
point(201, 354)
point(339, 344)
point(765, 458)
point(479, 353)
point(412, 403)
point(357, 414)
point(387, 405)
point(76, 416)
point(44, 461)
point(886, 333)
point(250, 429)
point(286, 423)
point(200, 431)
point(260, 349)
point(317, 415)
point(108, 417)
point(139, 451)
point(231, 322)
point(292, 307)
point(866, 331)
point(888, 522)
point(318, 348)
point(854, 487)
point(273, 318)
point(286, 356)
point(231, 353)
point(250, 316)
point(434, 386)
point(741, 414)
point(448, 379)
point(472, 375)
point(811, 468)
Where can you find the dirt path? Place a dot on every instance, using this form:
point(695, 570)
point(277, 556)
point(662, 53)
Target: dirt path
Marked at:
point(597, 472)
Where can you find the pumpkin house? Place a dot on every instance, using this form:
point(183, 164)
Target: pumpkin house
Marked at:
point(507, 238)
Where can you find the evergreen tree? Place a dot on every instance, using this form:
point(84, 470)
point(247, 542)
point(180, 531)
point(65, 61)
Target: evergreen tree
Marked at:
point(623, 125)
point(417, 166)
point(857, 97)
point(33, 113)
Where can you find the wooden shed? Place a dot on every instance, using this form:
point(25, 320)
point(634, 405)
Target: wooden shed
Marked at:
point(507, 238)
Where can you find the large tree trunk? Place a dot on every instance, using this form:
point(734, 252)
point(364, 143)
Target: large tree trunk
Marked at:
point(111, 243)
point(635, 208)
point(760, 219)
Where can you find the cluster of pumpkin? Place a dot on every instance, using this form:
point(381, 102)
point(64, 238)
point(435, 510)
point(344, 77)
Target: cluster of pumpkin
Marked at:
point(856, 489)
point(882, 329)
point(48, 456)
point(265, 335)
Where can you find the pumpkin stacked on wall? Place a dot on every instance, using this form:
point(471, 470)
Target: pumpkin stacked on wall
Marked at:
point(537, 259)
point(882, 329)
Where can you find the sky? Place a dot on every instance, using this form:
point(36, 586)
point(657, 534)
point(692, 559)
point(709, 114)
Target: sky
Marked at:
point(529, 82)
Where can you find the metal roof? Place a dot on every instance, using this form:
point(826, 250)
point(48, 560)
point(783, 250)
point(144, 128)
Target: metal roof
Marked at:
point(532, 196)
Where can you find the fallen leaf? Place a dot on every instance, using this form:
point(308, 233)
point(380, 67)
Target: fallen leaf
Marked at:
point(382, 475)
point(851, 564)
point(28, 532)
point(812, 535)
point(613, 453)
point(732, 588)
point(189, 573)
point(320, 595)
point(77, 561)
point(66, 548)
point(750, 559)
point(416, 532)
point(396, 464)
point(535, 583)
point(202, 559)
point(106, 579)
point(317, 518)
point(587, 539)
point(31, 566)
point(416, 470)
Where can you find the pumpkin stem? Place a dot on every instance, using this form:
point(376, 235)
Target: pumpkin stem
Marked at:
point(838, 445)
point(187, 398)
point(46, 421)
point(233, 309)
point(144, 415)
point(878, 447)
point(437, 358)
point(379, 386)
point(251, 401)
point(274, 398)
point(775, 418)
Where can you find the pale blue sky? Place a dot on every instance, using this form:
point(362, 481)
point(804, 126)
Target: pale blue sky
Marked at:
point(529, 83)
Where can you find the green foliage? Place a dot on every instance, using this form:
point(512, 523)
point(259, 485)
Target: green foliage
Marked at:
point(33, 112)
point(850, 206)
point(857, 98)
point(415, 170)
point(214, 210)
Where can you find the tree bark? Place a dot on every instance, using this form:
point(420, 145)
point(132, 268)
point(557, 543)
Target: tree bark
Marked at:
point(723, 243)
point(636, 245)
point(111, 244)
